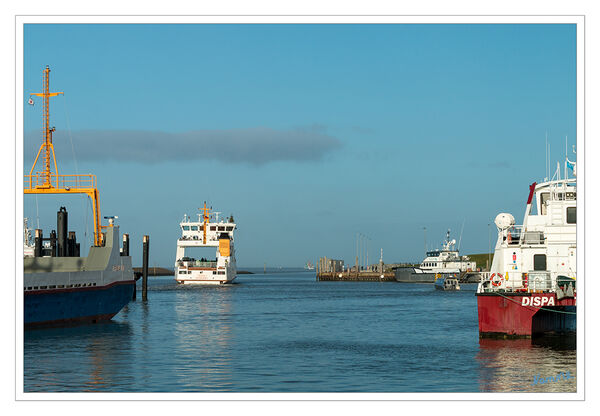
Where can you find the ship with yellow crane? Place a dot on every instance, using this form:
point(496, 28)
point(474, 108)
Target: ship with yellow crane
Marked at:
point(206, 234)
point(61, 286)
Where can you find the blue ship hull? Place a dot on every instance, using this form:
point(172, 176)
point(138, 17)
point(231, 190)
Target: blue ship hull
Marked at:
point(70, 306)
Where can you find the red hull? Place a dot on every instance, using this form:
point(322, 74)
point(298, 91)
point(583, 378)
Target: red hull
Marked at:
point(524, 314)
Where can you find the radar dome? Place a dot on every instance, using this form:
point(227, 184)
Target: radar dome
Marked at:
point(504, 221)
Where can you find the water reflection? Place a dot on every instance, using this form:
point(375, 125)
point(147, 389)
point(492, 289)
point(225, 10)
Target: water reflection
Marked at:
point(203, 334)
point(517, 365)
point(82, 358)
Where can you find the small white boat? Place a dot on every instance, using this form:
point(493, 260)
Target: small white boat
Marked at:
point(446, 283)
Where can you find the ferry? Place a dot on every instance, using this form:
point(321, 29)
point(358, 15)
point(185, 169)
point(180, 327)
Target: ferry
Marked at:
point(531, 286)
point(446, 262)
point(206, 234)
point(60, 286)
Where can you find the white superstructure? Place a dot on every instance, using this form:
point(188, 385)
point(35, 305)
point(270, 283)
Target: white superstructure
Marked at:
point(541, 254)
point(447, 260)
point(214, 267)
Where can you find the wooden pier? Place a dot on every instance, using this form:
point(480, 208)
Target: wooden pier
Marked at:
point(362, 276)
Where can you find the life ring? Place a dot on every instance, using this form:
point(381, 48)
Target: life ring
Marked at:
point(496, 282)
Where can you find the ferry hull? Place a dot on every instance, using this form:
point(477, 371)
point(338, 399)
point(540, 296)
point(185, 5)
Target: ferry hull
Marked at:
point(204, 282)
point(524, 314)
point(72, 306)
point(409, 275)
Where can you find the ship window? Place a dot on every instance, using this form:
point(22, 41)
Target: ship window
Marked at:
point(230, 228)
point(571, 215)
point(539, 262)
point(221, 228)
point(213, 228)
point(194, 228)
point(186, 227)
point(202, 228)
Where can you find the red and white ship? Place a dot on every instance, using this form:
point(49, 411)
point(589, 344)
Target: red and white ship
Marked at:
point(531, 286)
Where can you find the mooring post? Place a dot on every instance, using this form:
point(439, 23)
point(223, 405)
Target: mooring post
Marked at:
point(145, 269)
point(39, 237)
point(125, 251)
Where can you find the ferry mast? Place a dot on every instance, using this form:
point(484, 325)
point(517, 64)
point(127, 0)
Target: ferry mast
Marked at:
point(205, 219)
point(48, 182)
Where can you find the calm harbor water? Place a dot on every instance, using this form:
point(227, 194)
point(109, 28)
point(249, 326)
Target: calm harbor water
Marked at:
point(285, 332)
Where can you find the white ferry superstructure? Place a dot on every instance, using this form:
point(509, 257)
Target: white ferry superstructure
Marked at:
point(446, 262)
point(205, 233)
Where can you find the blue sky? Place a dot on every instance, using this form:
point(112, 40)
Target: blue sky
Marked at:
point(308, 134)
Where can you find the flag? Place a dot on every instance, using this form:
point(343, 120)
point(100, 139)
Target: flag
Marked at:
point(572, 166)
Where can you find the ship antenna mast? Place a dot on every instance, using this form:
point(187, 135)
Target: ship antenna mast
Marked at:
point(46, 182)
point(205, 218)
point(47, 143)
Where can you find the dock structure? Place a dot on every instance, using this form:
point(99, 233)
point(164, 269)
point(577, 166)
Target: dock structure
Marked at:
point(326, 265)
point(353, 276)
point(334, 270)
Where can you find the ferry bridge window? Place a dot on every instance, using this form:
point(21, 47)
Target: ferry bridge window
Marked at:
point(571, 215)
point(213, 228)
point(539, 262)
point(186, 227)
point(194, 228)
point(229, 228)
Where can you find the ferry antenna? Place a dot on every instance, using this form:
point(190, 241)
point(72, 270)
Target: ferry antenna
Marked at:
point(47, 182)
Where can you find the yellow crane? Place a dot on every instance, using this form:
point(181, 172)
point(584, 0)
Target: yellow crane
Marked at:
point(48, 182)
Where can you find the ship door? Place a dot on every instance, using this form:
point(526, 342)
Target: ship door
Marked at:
point(539, 262)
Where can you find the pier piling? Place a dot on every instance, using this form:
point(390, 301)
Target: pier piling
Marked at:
point(39, 237)
point(125, 251)
point(145, 269)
